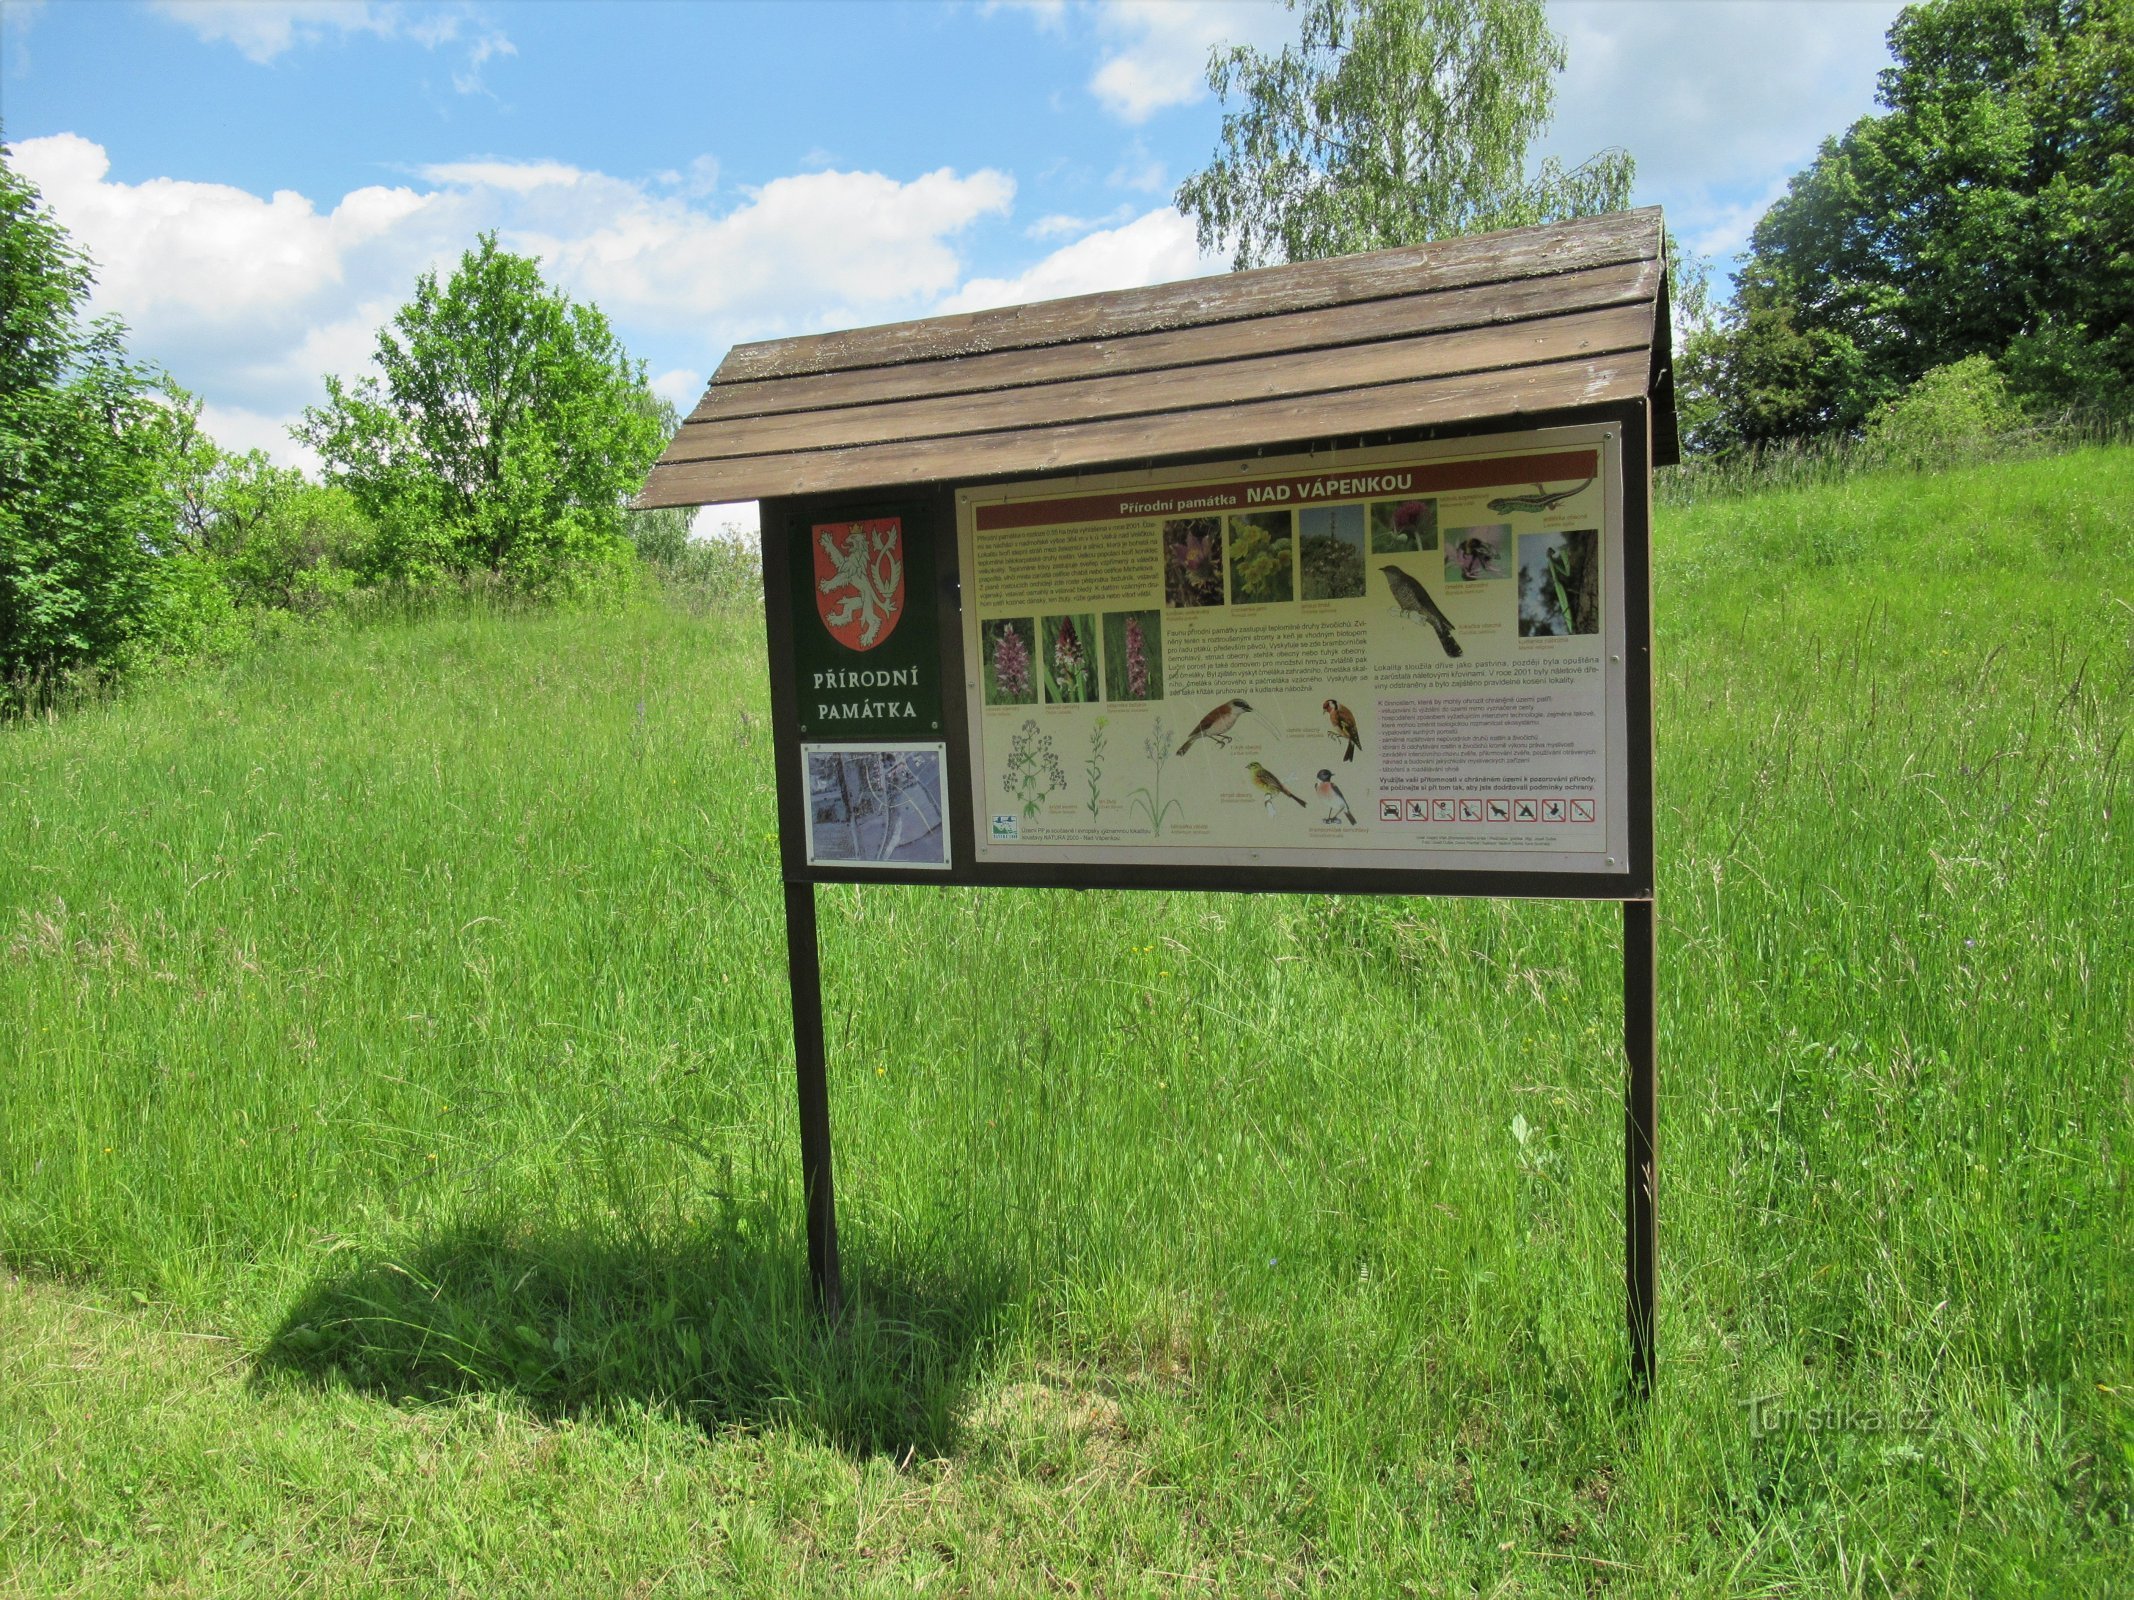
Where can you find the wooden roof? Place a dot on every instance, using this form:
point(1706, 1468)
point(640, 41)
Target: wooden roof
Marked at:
point(1493, 325)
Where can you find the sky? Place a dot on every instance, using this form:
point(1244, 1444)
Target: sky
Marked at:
point(260, 181)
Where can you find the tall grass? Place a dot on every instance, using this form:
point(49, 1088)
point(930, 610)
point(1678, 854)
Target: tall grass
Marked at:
point(1831, 459)
point(410, 1010)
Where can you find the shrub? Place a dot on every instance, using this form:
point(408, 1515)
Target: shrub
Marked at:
point(506, 431)
point(84, 497)
point(1949, 410)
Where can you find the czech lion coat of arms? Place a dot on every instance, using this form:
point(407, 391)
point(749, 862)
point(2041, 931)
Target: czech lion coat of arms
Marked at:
point(859, 579)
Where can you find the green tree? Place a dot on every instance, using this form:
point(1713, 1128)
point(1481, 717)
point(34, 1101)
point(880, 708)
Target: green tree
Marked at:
point(1988, 210)
point(508, 428)
point(1389, 122)
point(85, 508)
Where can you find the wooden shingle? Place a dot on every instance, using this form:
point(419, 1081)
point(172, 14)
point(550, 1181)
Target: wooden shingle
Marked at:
point(1492, 326)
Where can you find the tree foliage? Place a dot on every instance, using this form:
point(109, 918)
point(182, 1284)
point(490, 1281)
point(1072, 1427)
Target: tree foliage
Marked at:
point(84, 498)
point(507, 428)
point(1389, 122)
point(1988, 210)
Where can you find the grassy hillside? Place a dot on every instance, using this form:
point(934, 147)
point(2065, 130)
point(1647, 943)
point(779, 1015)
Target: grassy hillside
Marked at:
point(397, 1157)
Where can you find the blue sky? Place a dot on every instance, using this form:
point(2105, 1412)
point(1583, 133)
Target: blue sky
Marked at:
point(261, 180)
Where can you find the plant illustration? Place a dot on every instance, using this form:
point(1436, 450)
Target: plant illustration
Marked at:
point(1093, 767)
point(1033, 771)
point(1148, 800)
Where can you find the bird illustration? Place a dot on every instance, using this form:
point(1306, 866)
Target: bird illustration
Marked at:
point(1337, 805)
point(1410, 595)
point(1539, 500)
point(1344, 721)
point(1216, 724)
point(1270, 786)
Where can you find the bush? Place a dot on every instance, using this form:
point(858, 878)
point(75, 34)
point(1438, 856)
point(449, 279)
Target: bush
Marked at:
point(662, 536)
point(507, 430)
point(1947, 412)
point(189, 614)
point(711, 574)
point(84, 496)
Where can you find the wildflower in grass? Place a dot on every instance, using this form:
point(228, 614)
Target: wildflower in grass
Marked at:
point(1137, 663)
point(1069, 665)
point(1011, 662)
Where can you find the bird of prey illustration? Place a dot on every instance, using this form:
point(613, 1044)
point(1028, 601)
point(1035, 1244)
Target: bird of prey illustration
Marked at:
point(1337, 805)
point(1216, 724)
point(1411, 596)
point(1539, 500)
point(1344, 721)
point(1270, 786)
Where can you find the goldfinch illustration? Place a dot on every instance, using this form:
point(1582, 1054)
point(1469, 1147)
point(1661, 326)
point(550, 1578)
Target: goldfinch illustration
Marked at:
point(1412, 597)
point(1344, 721)
point(1270, 786)
point(1337, 805)
point(1216, 724)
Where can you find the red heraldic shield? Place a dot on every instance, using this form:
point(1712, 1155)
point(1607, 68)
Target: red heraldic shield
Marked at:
point(859, 579)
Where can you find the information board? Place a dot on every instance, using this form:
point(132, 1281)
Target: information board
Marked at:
point(1410, 657)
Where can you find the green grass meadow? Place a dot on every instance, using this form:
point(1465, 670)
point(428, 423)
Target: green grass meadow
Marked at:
point(398, 1163)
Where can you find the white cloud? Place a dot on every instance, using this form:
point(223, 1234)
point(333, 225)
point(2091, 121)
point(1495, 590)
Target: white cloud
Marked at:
point(1155, 248)
point(1059, 225)
point(681, 388)
point(1158, 52)
point(235, 428)
point(15, 19)
point(171, 252)
point(1050, 16)
point(1718, 103)
point(1720, 230)
point(844, 242)
point(737, 522)
point(1140, 170)
point(521, 177)
point(249, 300)
point(265, 30)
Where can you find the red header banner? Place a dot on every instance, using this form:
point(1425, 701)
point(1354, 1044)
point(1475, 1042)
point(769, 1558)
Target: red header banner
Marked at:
point(1360, 483)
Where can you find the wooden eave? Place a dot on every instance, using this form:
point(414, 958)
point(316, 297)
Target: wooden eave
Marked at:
point(1492, 326)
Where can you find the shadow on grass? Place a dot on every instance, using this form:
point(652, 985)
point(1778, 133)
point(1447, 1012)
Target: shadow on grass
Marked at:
point(720, 1328)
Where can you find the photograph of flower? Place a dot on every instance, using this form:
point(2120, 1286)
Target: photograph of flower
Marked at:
point(1193, 561)
point(1133, 655)
point(1010, 661)
point(1330, 550)
point(1403, 525)
point(1262, 558)
point(1070, 645)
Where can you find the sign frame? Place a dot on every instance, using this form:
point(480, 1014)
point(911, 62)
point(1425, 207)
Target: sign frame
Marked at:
point(930, 515)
